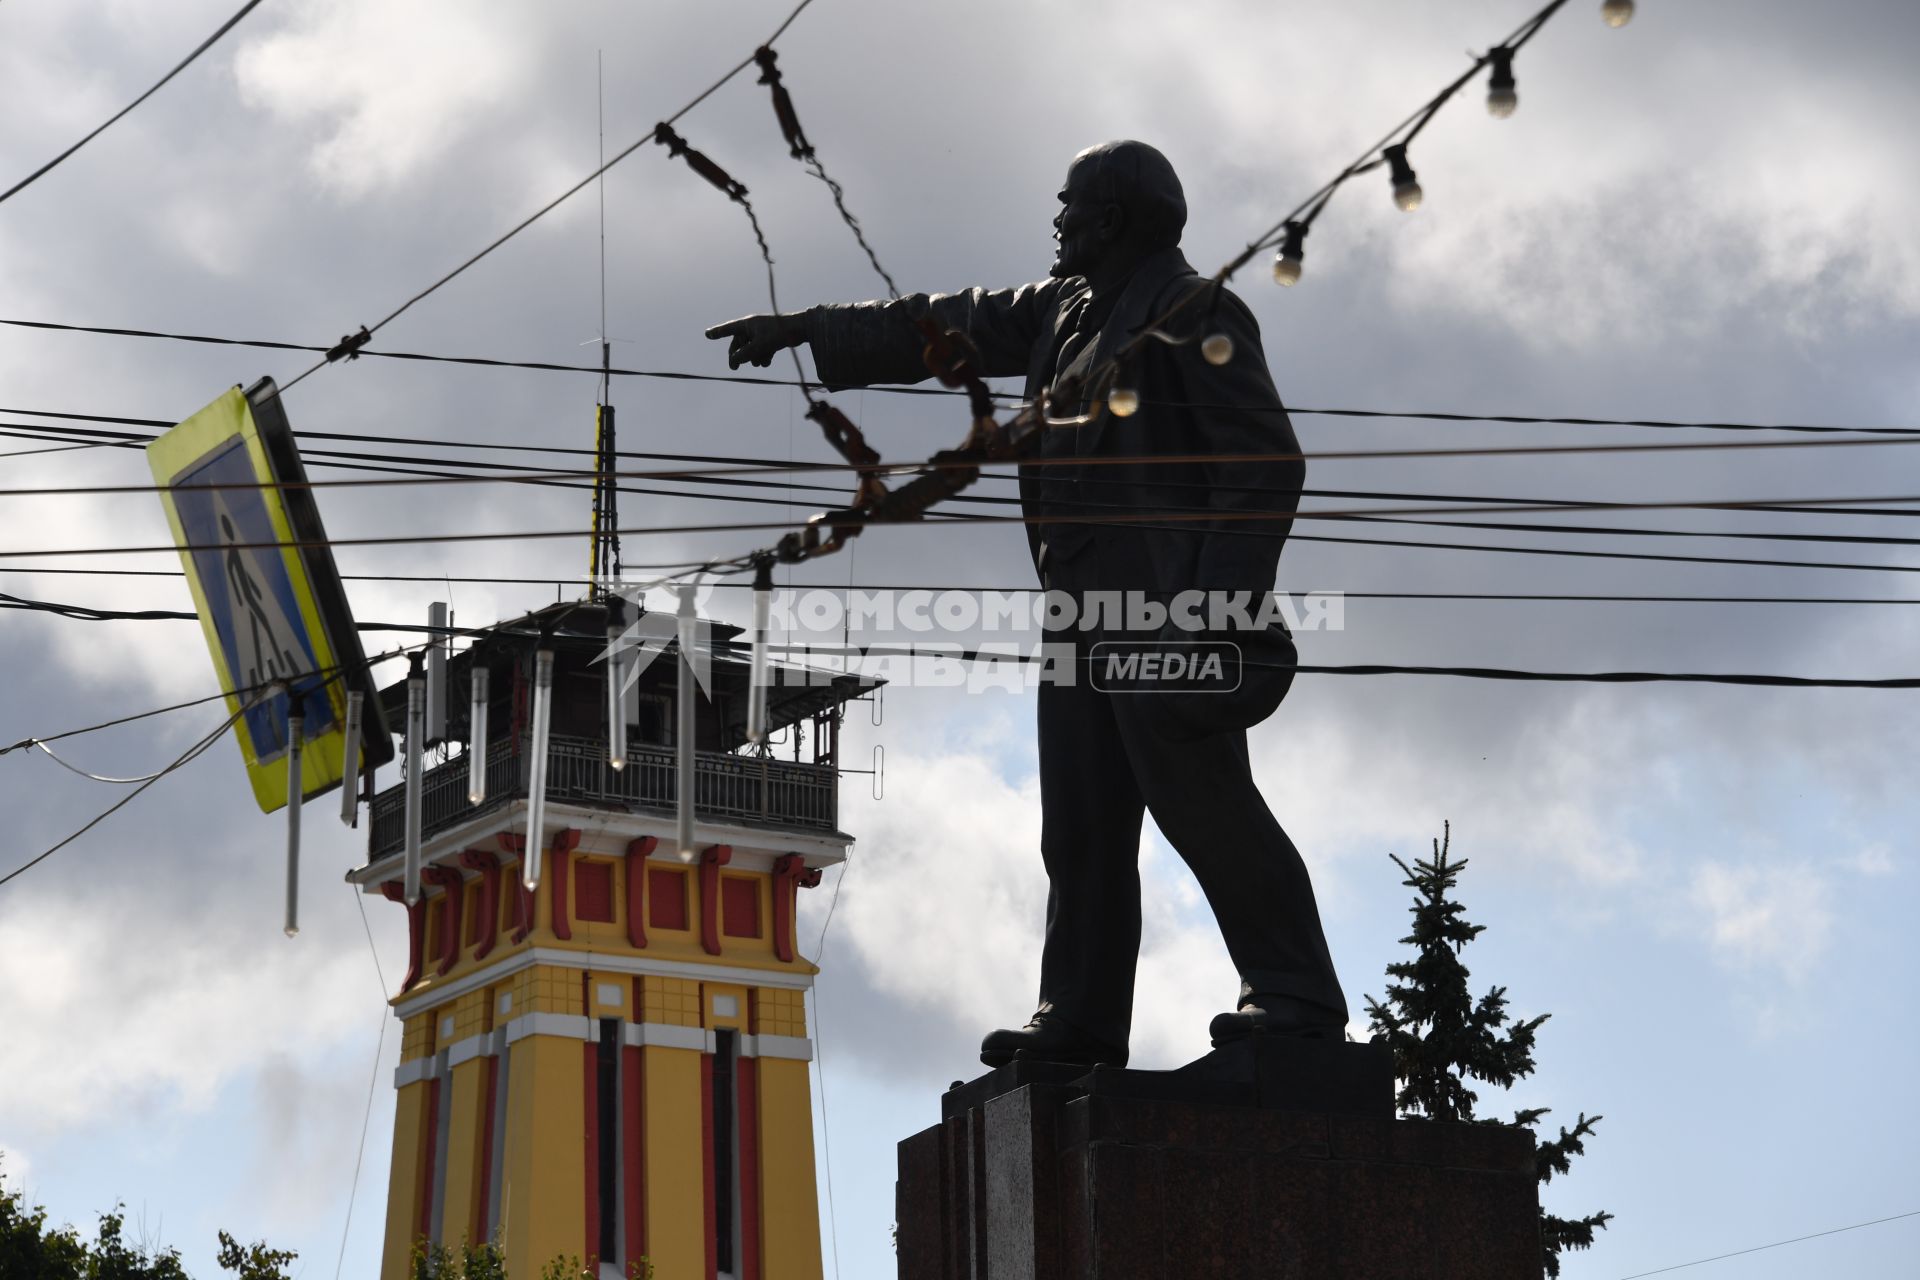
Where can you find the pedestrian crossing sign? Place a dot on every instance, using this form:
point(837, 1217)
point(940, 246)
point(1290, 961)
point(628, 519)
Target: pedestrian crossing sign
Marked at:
point(264, 584)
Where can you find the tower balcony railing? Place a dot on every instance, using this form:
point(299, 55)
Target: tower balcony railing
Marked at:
point(753, 790)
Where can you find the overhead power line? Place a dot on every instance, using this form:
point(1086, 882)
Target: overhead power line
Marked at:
point(702, 568)
point(567, 478)
point(182, 65)
point(1489, 596)
point(987, 656)
point(1146, 521)
point(1097, 460)
point(889, 389)
point(179, 762)
point(350, 346)
point(1759, 1248)
point(84, 613)
point(70, 767)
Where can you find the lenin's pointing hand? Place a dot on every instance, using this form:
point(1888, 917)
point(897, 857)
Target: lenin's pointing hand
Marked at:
point(756, 340)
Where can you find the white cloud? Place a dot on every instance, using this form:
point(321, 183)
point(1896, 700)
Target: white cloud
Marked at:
point(185, 1003)
point(1774, 918)
point(389, 88)
point(1875, 859)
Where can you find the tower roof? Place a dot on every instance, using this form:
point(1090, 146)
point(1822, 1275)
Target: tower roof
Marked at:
point(576, 630)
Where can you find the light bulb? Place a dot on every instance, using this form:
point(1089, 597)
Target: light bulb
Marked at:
point(1616, 13)
point(1218, 348)
point(1406, 187)
point(1287, 265)
point(1502, 95)
point(1124, 401)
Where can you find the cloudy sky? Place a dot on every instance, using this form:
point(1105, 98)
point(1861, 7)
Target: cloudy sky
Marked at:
point(1704, 216)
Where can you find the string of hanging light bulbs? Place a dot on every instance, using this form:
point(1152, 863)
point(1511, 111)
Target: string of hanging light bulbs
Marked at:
point(1108, 389)
point(1503, 98)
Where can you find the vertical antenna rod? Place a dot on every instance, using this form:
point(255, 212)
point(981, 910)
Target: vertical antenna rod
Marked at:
point(604, 561)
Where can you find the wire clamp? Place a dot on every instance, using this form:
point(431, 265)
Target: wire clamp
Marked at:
point(349, 346)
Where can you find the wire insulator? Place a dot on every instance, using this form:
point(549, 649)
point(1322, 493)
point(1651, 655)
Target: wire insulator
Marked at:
point(797, 144)
point(848, 441)
point(699, 163)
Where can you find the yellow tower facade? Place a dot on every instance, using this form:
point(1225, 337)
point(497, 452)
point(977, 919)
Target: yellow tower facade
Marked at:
point(613, 1065)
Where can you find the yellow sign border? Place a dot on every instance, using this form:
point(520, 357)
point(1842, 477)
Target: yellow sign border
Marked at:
point(323, 756)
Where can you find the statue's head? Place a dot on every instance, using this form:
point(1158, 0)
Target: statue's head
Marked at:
point(1121, 201)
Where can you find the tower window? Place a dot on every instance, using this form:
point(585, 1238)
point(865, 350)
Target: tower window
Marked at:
point(739, 907)
point(666, 898)
point(724, 1147)
point(593, 891)
point(607, 1132)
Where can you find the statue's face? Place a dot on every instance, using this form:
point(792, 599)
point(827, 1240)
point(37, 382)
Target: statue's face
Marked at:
point(1084, 227)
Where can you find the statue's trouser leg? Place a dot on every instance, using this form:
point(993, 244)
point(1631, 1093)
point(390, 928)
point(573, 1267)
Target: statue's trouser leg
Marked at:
point(1203, 799)
point(1091, 812)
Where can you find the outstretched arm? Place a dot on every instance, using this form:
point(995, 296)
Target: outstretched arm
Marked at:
point(857, 344)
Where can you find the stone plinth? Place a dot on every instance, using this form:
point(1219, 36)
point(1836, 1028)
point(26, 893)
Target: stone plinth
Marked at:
point(1270, 1159)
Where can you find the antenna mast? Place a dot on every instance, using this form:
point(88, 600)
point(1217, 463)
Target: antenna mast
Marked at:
point(604, 562)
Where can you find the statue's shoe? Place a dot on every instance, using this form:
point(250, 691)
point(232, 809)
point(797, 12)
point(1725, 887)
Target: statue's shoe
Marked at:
point(1048, 1039)
point(1257, 1020)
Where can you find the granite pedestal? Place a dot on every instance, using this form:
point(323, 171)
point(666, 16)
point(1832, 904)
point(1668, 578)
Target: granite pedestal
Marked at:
point(1271, 1158)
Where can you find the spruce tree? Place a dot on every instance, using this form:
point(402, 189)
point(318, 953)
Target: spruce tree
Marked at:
point(1441, 1038)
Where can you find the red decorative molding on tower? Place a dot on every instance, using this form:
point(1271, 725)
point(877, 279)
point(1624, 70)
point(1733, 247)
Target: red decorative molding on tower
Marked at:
point(712, 858)
point(637, 853)
point(394, 891)
point(790, 875)
point(515, 844)
point(451, 901)
point(559, 865)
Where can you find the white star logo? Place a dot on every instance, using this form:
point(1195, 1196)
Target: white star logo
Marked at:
point(648, 635)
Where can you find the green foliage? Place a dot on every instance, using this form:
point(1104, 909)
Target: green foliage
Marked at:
point(1441, 1037)
point(255, 1261)
point(29, 1248)
point(432, 1261)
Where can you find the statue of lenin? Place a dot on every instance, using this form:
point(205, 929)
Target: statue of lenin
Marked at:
point(1105, 759)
